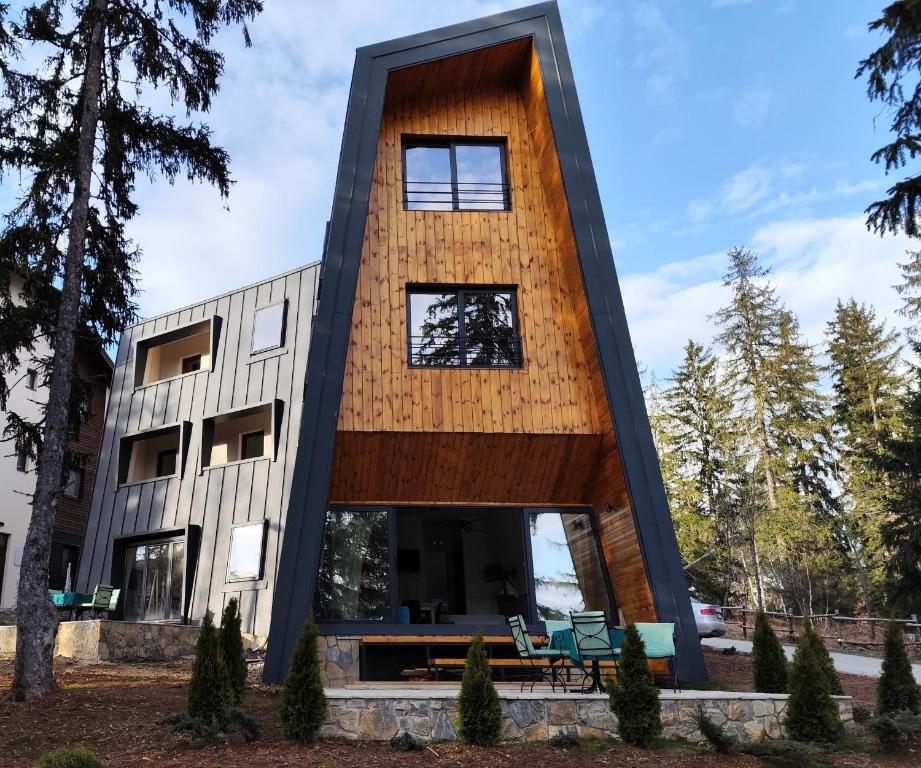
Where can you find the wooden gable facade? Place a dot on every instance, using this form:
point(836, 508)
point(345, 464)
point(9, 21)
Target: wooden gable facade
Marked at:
point(565, 429)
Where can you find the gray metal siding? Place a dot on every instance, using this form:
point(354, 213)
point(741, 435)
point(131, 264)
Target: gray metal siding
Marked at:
point(217, 498)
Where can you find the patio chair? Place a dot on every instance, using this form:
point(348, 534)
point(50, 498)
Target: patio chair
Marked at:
point(113, 601)
point(529, 655)
point(593, 643)
point(99, 601)
point(555, 625)
point(659, 639)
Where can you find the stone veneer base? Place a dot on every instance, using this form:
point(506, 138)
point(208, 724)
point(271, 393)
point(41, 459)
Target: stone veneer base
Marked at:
point(378, 715)
point(104, 640)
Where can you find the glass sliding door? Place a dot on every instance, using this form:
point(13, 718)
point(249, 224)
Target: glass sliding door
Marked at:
point(568, 573)
point(154, 584)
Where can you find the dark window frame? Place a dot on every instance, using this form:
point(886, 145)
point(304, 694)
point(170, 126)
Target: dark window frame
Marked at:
point(451, 143)
point(22, 461)
point(174, 452)
point(197, 358)
point(461, 291)
point(82, 479)
point(31, 379)
point(253, 350)
point(260, 571)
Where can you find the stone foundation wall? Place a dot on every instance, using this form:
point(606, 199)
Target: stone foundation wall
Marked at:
point(339, 660)
point(102, 640)
point(379, 715)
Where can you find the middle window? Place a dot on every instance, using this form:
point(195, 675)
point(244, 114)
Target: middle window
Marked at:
point(463, 327)
point(446, 175)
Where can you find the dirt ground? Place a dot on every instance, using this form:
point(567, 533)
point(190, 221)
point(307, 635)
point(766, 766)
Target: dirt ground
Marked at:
point(114, 711)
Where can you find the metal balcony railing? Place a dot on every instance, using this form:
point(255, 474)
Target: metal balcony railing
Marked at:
point(496, 351)
point(462, 196)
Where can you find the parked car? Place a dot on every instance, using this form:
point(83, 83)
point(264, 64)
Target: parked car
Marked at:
point(709, 619)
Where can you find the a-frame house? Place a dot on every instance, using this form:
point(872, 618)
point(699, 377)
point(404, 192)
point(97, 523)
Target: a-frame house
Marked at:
point(472, 403)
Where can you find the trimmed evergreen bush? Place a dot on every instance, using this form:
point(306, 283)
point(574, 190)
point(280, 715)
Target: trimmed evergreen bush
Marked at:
point(209, 687)
point(894, 729)
point(302, 707)
point(232, 651)
point(769, 665)
point(70, 758)
point(827, 665)
point(897, 690)
point(633, 695)
point(812, 714)
point(479, 714)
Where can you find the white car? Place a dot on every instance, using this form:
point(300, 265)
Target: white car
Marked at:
point(709, 619)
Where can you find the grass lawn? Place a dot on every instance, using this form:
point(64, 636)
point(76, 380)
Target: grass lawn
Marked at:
point(114, 709)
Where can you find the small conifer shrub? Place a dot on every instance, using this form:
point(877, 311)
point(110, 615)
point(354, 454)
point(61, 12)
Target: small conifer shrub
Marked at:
point(897, 690)
point(633, 695)
point(302, 707)
point(812, 714)
point(70, 758)
point(827, 665)
point(479, 713)
point(209, 687)
point(232, 651)
point(769, 665)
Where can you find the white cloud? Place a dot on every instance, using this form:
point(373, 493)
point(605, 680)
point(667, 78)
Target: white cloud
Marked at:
point(753, 107)
point(814, 262)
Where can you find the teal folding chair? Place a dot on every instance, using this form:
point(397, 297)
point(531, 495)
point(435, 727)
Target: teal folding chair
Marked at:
point(535, 658)
point(659, 640)
point(593, 643)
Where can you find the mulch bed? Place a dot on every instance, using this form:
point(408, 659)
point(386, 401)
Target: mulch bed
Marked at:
point(114, 711)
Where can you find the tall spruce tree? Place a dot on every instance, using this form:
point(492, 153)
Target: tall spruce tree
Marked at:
point(75, 135)
point(866, 386)
point(748, 330)
point(698, 428)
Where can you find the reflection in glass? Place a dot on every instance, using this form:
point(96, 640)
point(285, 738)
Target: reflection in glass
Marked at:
point(488, 329)
point(479, 177)
point(354, 578)
point(268, 327)
point(434, 323)
point(154, 582)
point(428, 179)
point(567, 569)
point(245, 558)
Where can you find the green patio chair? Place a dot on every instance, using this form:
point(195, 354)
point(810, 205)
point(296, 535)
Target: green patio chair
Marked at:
point(555, 625)
point(113, 600)
point(98, 601)
point(593, 643)
point(529, 655)
point(659, 639)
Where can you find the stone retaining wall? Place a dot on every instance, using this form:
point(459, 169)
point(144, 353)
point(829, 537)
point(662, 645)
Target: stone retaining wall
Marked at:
point(380, 715)
point(103, 640)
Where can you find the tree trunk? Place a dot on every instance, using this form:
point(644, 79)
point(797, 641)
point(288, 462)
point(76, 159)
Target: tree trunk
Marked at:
point(37, 620)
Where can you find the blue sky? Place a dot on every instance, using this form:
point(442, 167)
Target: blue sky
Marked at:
point(712, 123)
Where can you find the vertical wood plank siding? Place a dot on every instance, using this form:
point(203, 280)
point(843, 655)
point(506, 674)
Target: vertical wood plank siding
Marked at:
point(219, 497)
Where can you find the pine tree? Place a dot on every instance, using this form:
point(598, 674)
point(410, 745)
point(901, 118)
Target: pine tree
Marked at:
point(76, 130)
point(232, 651)
point(769, 664)
point(897, 690)
point(209, 694)
point(302, 706)
point(479, 714)
point(749, 326)
point(820, 650)
point(634, 697)
point(886, 70)
point(812, 714)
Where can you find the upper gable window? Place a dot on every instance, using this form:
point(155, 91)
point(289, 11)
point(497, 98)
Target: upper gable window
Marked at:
point(463, 328)
point(448, 175)
point(269, 327)
point(176, 352)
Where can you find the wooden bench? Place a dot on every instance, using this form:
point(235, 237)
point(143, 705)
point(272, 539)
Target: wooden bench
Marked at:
point(502, 665)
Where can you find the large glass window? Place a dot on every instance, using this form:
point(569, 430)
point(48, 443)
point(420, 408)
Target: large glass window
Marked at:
point(567, 568)
point(245, 559)
point(463, 327)
point(354, 578)
point(443, 175)
point(153, 590)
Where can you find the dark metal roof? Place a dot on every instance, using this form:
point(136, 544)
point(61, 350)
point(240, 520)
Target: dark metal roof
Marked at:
point(329, 343)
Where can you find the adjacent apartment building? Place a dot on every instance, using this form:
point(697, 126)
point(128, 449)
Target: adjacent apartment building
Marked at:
point(17, 471)
point(439, 425)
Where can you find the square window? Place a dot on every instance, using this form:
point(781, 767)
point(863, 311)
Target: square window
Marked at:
point(466, 328)
point(166, 462)
point(73, 489)
point(191, 363)
point(269, 327)
point(252, 445)
point(440, 175)
point(244, 563)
